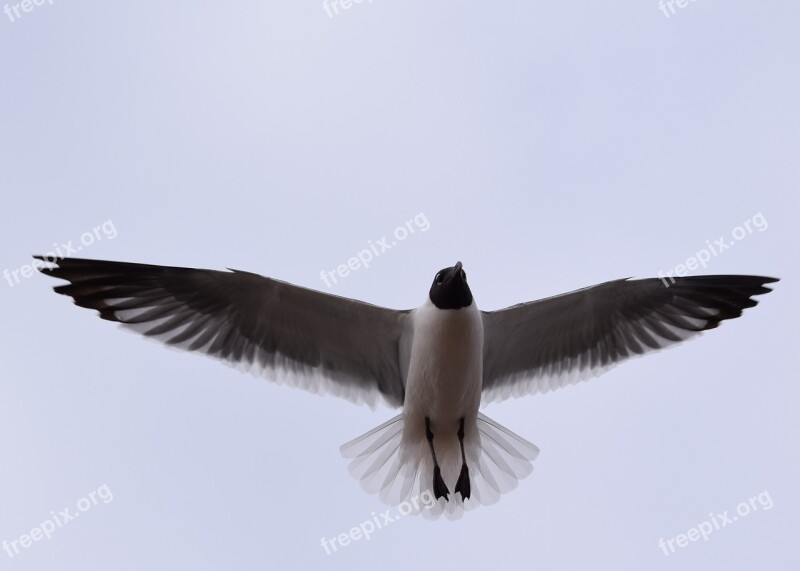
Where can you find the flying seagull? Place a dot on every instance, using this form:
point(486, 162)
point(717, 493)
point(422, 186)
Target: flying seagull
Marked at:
point(438, 363)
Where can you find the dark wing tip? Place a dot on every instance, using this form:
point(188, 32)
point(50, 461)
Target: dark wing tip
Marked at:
point(50, 266)
point(730, 295)
point(42, 258)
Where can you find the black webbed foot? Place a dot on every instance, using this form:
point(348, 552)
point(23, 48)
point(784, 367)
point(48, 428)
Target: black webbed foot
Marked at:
point(463, 483)
point(439, 487)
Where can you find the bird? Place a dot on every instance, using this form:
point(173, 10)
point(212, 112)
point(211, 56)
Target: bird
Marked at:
point(438, 363)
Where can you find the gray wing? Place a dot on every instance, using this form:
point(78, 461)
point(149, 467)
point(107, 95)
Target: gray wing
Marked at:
point(546, 344)
point(305, 338)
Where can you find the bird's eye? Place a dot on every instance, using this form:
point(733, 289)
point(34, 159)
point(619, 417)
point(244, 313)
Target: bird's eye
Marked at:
point(438, 279)
point(463, 275)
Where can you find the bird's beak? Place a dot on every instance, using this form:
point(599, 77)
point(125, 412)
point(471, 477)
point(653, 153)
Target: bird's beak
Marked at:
point(457, 267)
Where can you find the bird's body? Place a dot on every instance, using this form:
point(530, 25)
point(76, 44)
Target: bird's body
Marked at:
point(446, 365)
point(444, 384)
point(439, 362)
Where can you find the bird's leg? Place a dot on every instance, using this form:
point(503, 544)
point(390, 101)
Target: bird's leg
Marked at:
point(439, 488)
point(463, 479)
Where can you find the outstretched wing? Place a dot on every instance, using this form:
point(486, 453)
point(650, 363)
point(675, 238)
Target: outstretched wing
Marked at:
point(316, 341)
point(547, 344)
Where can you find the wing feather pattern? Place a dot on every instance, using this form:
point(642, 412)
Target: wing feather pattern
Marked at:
point(289, 334)
point(543, 345)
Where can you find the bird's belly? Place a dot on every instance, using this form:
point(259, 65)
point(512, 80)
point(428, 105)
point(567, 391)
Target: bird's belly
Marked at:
point(446, 366)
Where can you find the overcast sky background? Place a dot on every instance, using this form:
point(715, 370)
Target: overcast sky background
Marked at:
point(550, 146)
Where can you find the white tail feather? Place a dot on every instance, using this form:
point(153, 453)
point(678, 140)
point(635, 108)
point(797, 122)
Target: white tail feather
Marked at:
point(396, 463)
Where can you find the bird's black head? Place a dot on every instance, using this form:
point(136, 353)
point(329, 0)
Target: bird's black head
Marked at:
point(450, 289)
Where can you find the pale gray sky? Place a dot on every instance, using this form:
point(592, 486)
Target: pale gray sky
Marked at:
point(550, 146)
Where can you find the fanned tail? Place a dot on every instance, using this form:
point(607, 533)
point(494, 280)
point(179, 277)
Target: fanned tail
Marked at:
point(396, 464)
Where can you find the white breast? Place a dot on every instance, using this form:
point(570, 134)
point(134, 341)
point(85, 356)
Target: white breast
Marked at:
point(446, 363)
